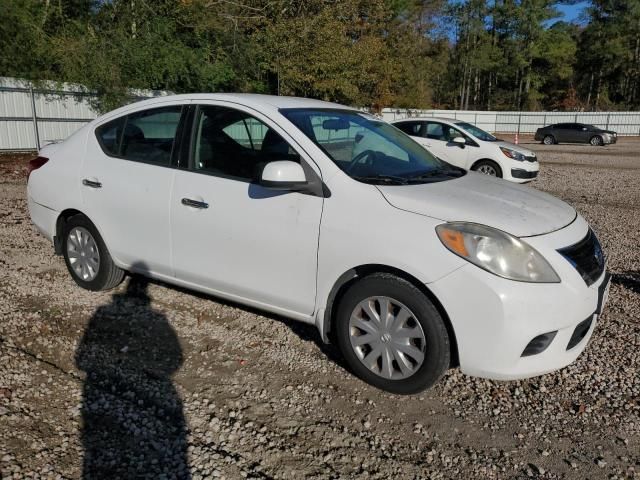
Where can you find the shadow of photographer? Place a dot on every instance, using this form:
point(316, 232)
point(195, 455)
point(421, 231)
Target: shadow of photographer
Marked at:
point(133, 421)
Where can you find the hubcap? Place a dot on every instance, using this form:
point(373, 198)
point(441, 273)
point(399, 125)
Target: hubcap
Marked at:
point(488, 170)
point(548, 140)
point(595, 141)
point(83, 253)
point(387, 338)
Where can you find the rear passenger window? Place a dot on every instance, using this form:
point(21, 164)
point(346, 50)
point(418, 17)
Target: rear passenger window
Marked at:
point(146, 136)
point(410, 128)
point(109, 135)
point(149, 135)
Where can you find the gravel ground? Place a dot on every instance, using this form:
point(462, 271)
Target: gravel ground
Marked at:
point(154, 381)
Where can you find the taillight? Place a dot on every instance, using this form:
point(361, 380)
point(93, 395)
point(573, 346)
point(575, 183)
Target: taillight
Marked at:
point(35, 164)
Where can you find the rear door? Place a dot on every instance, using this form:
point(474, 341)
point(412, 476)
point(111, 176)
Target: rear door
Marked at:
point(229, 233)
point(126, 177)
point(412, 128)
point(564, 132)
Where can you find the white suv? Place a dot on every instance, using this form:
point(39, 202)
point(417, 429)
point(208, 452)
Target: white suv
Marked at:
point(326, 215)
point(465, 145)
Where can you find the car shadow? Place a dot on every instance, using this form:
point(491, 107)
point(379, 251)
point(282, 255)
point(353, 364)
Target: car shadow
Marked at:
point(629, 280)
point(133, 424)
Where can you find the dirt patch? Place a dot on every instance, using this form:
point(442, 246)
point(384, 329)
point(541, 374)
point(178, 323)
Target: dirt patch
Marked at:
point(158, 379)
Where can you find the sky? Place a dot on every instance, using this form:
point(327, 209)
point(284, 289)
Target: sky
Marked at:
point(572, 12)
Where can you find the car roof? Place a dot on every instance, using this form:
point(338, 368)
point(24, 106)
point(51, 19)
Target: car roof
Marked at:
point(249, 99)
point(422, 119)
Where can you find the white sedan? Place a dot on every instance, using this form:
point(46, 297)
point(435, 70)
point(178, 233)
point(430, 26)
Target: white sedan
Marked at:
point(410, 264)
point(465, 145)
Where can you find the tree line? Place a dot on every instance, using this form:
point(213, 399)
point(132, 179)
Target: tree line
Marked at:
point(471, 54)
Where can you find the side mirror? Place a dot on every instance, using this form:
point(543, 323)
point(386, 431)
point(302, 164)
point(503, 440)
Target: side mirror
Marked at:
point(460, 141)
point(283, 175)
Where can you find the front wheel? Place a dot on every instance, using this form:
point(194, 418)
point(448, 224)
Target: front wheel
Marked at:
point(548, 140)
point(87, 257)
point(488, 167)
point(391, 334)
point(596, 141)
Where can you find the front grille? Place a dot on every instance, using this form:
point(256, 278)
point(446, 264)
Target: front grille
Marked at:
point(587, 257)
point(580, 332)
point(519, 173)
point(532, 158)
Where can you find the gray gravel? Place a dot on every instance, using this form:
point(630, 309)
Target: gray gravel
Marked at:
point(158, 382)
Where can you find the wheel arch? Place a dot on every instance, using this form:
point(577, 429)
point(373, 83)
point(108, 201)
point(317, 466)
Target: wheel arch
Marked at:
point(485, 159)
point(354, 274)
point(61, 221)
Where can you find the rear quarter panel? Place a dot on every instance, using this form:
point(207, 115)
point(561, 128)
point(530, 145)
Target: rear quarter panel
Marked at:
point(56, 185)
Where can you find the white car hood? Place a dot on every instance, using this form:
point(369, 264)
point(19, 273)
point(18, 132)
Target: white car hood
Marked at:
point(517, 148)
point(477, 198)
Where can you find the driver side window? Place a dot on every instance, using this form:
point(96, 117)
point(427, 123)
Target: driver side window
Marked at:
point(442, 132)
point(231, 143)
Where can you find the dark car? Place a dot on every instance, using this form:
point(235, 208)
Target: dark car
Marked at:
point(575, 133)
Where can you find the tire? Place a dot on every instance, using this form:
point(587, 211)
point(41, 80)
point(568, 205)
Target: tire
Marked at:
point(87, 257)
point(549, 140)
point(596, 141)
point(415, 314)
point(488, 167)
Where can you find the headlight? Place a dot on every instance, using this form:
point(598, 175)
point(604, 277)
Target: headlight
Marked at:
point(512, 154)
point(497, 252)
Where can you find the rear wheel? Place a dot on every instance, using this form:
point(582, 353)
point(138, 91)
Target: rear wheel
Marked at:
point(548, 140)
point(87, 257)
point(596, 141)
point(488, 167)
point(391, 335)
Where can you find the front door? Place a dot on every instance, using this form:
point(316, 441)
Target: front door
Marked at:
point(126, 186)
point(438, 138)
point(232, 235)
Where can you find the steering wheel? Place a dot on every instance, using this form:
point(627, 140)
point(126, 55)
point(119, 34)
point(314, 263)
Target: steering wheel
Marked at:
point(365, 153)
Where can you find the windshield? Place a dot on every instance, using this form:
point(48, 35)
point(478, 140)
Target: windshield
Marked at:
point(368, 149)
point(477, 132)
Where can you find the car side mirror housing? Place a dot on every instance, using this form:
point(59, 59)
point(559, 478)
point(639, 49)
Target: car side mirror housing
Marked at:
point(460, 141)
point(283, 175)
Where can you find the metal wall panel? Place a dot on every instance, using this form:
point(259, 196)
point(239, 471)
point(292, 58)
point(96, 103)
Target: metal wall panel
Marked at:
point(61, 110)
point(624, 123)
point(17, 135)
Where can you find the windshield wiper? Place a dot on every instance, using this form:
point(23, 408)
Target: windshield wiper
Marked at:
point(438, 172)
point(388, 179)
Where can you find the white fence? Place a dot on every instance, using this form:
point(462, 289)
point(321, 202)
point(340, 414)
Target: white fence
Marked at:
point(624, 123)
point(31, 117)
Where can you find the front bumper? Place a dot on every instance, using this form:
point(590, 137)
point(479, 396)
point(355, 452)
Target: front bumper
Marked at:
point(520, 171)
point(522, 174)
point(495, 319)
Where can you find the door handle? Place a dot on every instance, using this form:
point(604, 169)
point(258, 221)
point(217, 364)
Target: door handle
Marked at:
point(91, 183)
point(194, 203)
